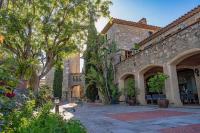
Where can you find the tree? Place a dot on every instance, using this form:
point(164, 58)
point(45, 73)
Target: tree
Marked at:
point(57, 82)
point(38, 33)
point(130, 89)
point(98, 64)
point(157, 82)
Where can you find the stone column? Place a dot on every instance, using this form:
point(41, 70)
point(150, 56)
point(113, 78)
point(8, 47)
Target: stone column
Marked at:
point(139, 80)
point(197, 78)
point(65, 83)
point(171, 85)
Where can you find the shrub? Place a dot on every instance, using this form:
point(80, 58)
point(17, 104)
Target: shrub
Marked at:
point(129, 89)
point(44, 95)
point(91, 93)
point(157, 82)
point(57, 82)
point(23, 121)
point(115, 93)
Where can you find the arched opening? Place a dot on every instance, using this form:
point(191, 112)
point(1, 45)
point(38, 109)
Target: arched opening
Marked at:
point(123, 83)
point(151, 97)
point(128, 77)
point(188, 68)
point(76, 92)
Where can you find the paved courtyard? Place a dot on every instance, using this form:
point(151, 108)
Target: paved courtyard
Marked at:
point(138, 119)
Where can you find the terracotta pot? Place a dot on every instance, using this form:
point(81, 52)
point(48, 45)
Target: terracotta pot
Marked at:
point(163, 103)
point(23, 84)
point(131, 102)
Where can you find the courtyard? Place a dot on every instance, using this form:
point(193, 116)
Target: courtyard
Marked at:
point(138, 119)
point(99, 66)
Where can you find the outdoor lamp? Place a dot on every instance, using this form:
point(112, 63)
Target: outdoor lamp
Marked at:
point(197, 72)
point(56, 101)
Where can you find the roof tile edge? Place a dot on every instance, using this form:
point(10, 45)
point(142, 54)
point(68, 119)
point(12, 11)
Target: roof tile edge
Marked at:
point(129, 23)
point(172, 24)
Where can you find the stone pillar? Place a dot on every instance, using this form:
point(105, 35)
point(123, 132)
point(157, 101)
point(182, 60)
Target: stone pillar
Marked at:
point(121, 86)
point(49, 78)
point(171, 85)
point(139, 80)
point(65, 84)
point(197, 78)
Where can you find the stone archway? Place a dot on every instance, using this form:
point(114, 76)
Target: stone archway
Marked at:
point(76, 92)
point(187, 86)
point(188, 61)
point(144, 75)
point(122, 81)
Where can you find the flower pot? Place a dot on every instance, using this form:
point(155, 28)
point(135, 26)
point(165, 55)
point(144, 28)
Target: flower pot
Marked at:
point(131, 102)
point(163, 103)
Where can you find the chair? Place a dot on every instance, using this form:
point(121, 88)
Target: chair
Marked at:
point(155, 97)
point(149, 98)
point(191, 98)
point(162, 96)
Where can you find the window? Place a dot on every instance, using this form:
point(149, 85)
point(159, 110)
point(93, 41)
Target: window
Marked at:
point(128, 54)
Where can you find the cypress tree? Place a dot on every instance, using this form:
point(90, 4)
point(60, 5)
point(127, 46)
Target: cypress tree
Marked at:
point(57, 82)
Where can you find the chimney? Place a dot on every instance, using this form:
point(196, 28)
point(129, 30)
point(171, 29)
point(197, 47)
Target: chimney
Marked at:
point(143, 21)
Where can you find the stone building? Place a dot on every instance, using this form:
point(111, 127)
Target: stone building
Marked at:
point(72, 80)
point(173, 50)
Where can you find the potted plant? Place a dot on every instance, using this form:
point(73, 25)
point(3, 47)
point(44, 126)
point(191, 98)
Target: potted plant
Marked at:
point(115, 95)
point(130, 92)
point(156, 84)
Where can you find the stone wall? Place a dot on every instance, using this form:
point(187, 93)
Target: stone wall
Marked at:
point(71, 65)
point(182, 25)
point(166, 53)
point(126, 36)
point(162, 52)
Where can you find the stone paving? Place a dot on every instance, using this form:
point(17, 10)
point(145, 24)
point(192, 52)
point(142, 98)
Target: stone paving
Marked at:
point(138, 119)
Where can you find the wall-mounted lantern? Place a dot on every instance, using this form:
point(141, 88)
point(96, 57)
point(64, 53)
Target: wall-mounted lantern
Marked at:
point(196, 71)
point(56, 101)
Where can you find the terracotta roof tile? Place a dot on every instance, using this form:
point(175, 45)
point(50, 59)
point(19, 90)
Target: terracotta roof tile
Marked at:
point(129, 23)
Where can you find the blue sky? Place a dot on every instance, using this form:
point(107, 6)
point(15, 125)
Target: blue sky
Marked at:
point(157, 12)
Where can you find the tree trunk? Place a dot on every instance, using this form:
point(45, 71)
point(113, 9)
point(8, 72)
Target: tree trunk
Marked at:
point(34, 82)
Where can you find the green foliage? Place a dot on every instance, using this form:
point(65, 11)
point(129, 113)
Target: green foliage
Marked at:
point(7, 79)
point(22, 120)
point(97, 79)
point(100, 70)
point(18, 117)
point(92, 93)
point(115, 93)
point(130, 89)
point(157, 82)
point(136, 46)
point(7, 84)
point(57, 82)
point(44, 96)
point(74, 126)
point(40, 33)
